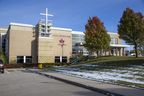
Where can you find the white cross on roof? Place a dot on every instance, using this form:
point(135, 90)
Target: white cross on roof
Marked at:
point(46, 18)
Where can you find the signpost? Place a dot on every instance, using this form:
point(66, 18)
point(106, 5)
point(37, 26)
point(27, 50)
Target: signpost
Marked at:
point(61, 41)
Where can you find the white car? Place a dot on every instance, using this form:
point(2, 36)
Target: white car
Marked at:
point(132, 54)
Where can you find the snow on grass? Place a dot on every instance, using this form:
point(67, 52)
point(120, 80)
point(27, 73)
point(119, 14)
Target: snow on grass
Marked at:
point(128, 74)
point(102, 76)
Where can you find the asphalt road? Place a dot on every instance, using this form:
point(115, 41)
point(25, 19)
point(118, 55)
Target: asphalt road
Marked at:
point(23, 83)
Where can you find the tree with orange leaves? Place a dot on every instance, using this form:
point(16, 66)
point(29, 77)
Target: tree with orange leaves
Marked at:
point(96, 37)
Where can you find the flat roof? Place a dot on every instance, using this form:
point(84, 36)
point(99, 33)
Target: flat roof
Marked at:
point(82, 33)
point(119, 45)
point(112, 33)
point(3, 30)
point(77, 32)
point(59, 28)
point(29, 25)
point(55, 28)
point(21, 24)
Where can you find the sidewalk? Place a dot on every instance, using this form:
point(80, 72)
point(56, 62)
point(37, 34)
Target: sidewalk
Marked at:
point(104, 88)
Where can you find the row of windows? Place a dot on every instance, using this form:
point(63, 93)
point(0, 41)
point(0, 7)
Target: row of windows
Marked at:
point(28, 59)
point(77, 35)
point(3, 42)
point(114, 41)
point(43, 30)
point(76, 39)
point(24, 59)
point(43, 26)
point(44, 34)
point(59, 59)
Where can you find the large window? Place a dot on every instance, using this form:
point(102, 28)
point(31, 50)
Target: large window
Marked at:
point(24, 59)
point(20, 59)
point(64, 59)
point(76, 38)
point(28, 59)
point(114, 40)
point(58, 59)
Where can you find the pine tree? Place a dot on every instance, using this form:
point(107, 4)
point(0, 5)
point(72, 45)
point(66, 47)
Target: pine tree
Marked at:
point(131, 28)
point(96, 37)
point(3, 56)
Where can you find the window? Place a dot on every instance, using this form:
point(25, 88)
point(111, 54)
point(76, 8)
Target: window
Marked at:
point(112, 40)
point(28, 59)
point(73, 51)
point(43, 26)
point(42, 34)
point(20, 59)
point(24, 59)
point(57, 59)
point(116, 41)
point(64, 59)
point(43, 30)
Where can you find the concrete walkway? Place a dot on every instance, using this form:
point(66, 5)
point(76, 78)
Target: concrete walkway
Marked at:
point(108, 89)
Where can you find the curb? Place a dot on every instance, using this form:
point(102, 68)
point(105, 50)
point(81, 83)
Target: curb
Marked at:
point(108, 93)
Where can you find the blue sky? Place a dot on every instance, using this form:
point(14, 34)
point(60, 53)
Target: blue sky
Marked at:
point(67, 13)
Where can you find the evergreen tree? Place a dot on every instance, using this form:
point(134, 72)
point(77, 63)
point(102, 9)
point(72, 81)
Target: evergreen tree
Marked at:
point(3, 56)
point(131, 28)
point(96, 37)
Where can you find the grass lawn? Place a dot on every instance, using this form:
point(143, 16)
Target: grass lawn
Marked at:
point(126, 71)
point(117, 59)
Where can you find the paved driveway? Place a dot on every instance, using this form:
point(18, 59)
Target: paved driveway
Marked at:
point(23, 83)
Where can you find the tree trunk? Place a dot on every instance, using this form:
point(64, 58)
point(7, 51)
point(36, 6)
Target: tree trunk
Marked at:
point(97, 53)
point(136, 50)
point(100, 53)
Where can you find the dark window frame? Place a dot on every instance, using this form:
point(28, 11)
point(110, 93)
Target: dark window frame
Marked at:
point(28, 59)
point(20, 59)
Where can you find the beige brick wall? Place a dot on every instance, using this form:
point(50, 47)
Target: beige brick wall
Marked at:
point(21, 42)
point(45, 50)
point(67, 37)
point(24, 41)
point(49, 47)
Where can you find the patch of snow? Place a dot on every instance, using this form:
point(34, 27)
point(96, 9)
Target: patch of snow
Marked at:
point(89, 65)
point(102, 76)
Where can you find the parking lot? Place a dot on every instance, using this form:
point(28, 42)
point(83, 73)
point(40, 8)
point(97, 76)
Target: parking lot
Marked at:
point(19, 82)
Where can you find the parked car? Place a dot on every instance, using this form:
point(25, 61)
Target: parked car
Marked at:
point(1, 67)
point(132, 54)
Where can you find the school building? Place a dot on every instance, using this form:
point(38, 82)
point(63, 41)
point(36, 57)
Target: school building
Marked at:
point(42, 43)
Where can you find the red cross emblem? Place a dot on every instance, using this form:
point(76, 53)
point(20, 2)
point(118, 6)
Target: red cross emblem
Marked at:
point(61, 41)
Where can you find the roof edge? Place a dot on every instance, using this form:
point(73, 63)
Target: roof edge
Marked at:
point(59, 28)
point(21, 24)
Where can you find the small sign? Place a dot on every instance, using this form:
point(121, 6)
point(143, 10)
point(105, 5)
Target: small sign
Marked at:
point(61, 41)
